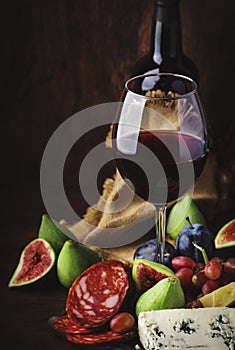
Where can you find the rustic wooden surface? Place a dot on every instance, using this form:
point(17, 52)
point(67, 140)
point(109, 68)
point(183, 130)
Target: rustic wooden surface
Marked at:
point(59, 57)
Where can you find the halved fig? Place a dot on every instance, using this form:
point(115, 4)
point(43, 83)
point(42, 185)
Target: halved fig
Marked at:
point(36, 260)
point(147, 273)
point(226, 235)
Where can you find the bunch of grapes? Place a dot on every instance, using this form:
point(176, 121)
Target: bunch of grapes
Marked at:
point(198, 279)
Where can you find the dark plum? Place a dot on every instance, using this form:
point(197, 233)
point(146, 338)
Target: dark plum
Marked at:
point(148, 251)
point(198, 234)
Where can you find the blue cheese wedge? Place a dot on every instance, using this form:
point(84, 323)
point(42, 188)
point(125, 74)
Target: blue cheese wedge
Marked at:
point(204, 328)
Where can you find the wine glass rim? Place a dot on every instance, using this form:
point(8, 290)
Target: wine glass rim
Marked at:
point(177, 97)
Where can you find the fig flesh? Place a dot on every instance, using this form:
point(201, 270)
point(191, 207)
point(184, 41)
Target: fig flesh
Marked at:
point(147, 273)
point(36, 260)
point(226, 236)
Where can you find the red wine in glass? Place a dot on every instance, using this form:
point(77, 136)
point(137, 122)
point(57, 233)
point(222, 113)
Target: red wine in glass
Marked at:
point(188, 150)
point(160, 139)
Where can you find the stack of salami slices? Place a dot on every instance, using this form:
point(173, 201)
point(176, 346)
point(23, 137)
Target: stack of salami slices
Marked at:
point(93, 300)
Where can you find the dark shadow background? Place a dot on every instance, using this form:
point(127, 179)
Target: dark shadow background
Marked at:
point(59, 57)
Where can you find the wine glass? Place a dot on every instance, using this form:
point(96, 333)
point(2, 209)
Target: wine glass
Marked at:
point(160, 140)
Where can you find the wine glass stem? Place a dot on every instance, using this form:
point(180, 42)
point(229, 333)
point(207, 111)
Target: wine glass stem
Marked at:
point(160, 232)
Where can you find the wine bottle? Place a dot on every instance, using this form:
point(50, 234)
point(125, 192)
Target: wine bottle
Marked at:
point(166, 52)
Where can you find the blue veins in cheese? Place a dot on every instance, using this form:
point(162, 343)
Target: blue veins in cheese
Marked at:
point(204, 328)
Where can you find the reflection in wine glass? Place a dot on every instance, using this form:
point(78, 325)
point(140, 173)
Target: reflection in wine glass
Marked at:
point(160, 140)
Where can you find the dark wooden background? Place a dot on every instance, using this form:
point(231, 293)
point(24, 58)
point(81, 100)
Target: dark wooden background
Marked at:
point(58, 57)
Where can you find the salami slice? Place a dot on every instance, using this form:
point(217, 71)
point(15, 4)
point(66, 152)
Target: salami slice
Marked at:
point(103, 338)
point(65, 324)
point(97, 294)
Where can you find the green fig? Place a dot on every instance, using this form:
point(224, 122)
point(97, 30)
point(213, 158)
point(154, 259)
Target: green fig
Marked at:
point(73, 259)
point(166, 294)
point(36, 260)
point(54, 233)
point(184, 208)
point(92, 255)
point(147, 273)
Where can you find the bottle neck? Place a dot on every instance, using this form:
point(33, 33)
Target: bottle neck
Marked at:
point(166, 32)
